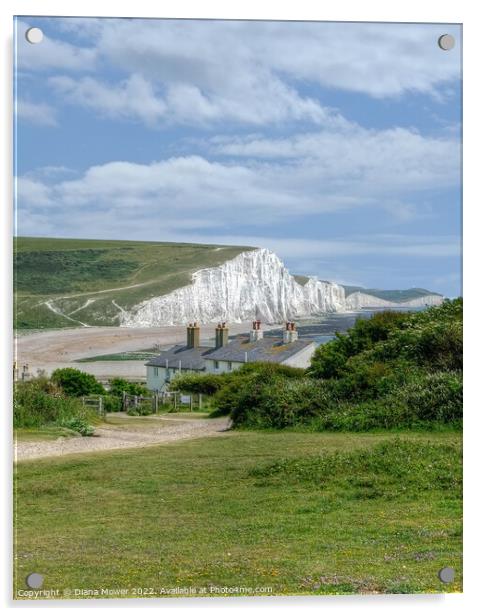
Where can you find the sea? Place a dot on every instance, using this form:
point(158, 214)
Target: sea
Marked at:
point(322, 329)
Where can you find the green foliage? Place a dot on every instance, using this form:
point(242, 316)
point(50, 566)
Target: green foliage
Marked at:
point(394, 370)
point(118, 385)
point(76, 383)
point(329, 360)
point(387, 470)
point(228, 382)
point(80, 425)
point(141, 410)
point(268, 370)
point(433, 396)
point(197, 383)
point(40, 402)
point(112, 404)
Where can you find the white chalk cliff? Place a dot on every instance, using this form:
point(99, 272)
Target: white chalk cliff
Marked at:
point(255, 284)
point(359, 300)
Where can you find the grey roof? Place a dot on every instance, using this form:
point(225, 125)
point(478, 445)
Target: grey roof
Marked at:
point(268, 349)
point(190, 358)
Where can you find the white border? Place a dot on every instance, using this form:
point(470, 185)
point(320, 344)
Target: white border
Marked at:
point(345, 10)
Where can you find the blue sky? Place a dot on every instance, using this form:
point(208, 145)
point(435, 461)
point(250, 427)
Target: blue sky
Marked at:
point(335, 145)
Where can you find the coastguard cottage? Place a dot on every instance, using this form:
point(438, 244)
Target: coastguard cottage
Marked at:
point(228, 355)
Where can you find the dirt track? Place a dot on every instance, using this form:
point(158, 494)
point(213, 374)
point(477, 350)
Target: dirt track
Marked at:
point(140, 433)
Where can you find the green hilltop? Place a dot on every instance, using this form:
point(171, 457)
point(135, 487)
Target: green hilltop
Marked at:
point(88, 278)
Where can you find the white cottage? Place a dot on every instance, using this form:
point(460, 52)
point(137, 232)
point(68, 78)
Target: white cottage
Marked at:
point(227, 355)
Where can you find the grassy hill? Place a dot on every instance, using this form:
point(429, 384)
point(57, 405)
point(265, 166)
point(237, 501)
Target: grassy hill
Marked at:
point(391, 295)
point(69, 282)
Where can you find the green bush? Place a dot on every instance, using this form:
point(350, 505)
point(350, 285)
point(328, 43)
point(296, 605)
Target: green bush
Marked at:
point(79, 425)
point(198, 383)
point(431, 338)
point(112, 404)
point(268, 369)
point(118, 386)
point(141, 410)
point(275, 402)
point(211, 384)
point(76, 383)
point(394, 370)
point(434, 396)
point(329, 360)
point(40, 402)
point(424, 400)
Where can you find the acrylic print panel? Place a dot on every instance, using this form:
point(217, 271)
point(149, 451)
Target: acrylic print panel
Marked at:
point(200, 207)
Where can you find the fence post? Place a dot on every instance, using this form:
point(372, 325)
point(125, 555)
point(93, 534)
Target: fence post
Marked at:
point(123, 401)
point(200, 401)
point(101, 406)
point(156, 402)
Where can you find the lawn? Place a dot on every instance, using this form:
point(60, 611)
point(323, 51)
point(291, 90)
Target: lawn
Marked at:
point(232, 511)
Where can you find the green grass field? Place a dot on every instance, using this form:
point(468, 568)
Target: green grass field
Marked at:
point(246, 509)
point(79, 275)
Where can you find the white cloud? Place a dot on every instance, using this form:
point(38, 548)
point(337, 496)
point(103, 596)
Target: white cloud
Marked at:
point(313, 174)
point(373, 161)
point(51, 53)
point(40, 114)
point(33, 192)
point(133, 97)
point(256, 73)
point(376, 59)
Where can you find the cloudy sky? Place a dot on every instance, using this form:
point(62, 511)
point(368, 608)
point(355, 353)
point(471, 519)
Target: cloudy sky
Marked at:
point(335, 145)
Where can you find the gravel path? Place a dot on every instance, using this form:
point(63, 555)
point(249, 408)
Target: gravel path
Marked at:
point(121, 437)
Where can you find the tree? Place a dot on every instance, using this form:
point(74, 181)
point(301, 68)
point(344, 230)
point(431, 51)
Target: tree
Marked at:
point(76, 383)
point(117, 386)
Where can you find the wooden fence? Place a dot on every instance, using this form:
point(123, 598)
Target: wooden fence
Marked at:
point(94, 402)
point(174, 398)
point(129, 401)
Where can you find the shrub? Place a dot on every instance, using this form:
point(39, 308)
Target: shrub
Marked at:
point(141, 410)
point(275, 402)
point(118, 386)
point(329, 360)
point(268, 369)
point(112, 404)
point(198, 383)
point(39, 402)
point(79, 425)
point(431, 338)
point(76, 383)
point(434, 397)
point(405, 400)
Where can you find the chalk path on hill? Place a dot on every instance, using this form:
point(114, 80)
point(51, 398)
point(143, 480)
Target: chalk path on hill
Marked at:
point(122, 437)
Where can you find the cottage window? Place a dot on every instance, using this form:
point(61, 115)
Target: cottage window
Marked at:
point(216, 364)
point(230, 365)
point(156, 371)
